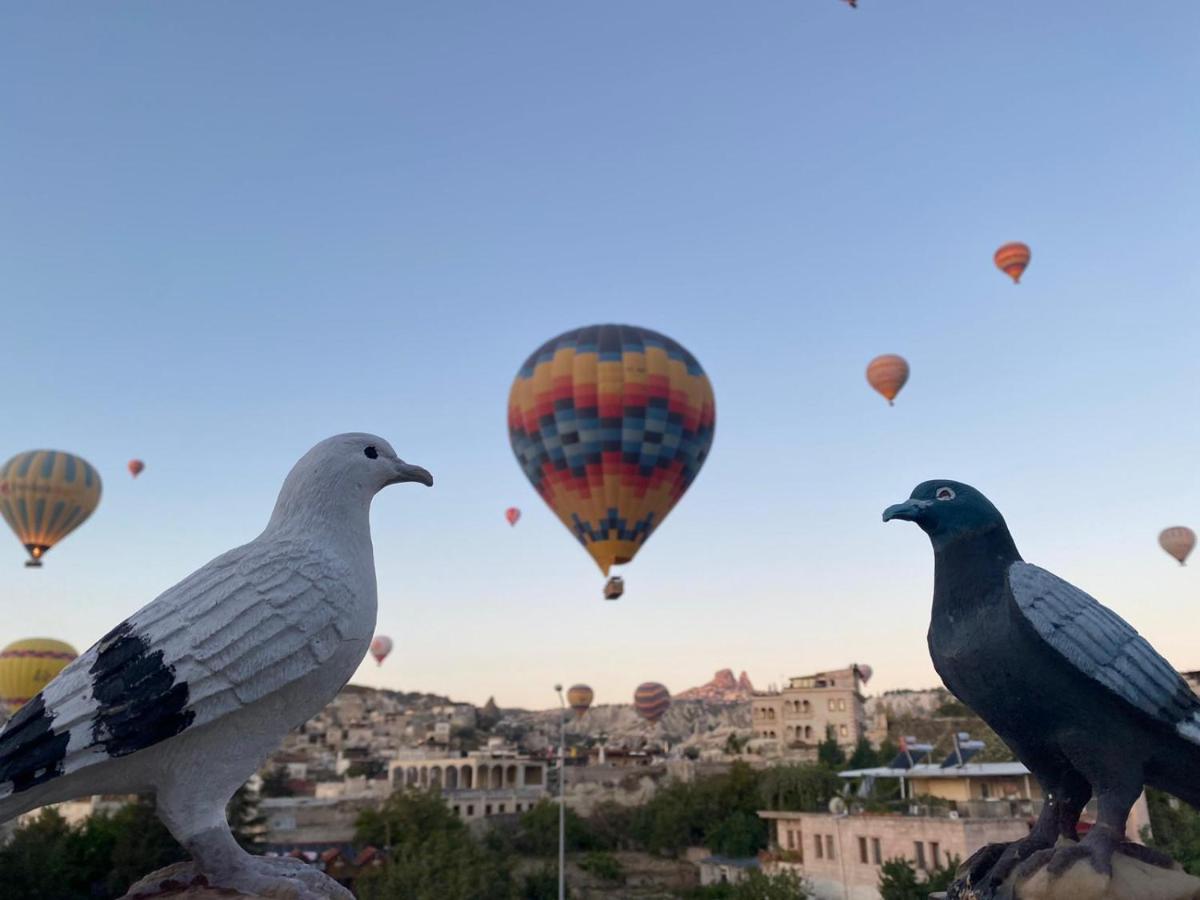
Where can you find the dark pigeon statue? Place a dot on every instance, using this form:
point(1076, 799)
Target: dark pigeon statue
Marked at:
point(1081, 698)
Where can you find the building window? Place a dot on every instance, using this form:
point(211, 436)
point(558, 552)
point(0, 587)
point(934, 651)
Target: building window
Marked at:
point(457, 810)
point(985, 791)
point(818, 846)
point(487, 810)
point(935, 851)
point(808, 732)
point(919, 847)
point(843, 730)
point(876, 854)
point(501, 809)
point(807, 707)
point(470, 809)
point(829, 845)
point(832, 705)
point(841, 706)
point(791, 839)
point(862, 849)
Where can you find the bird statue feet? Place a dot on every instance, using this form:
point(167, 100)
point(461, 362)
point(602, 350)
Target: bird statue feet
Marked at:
point(988, 868)
point(268, 878)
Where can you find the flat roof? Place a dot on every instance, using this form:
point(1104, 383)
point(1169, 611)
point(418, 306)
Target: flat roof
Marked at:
point(933, 770)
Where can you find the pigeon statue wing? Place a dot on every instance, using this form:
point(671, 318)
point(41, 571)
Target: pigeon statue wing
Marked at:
point(244, 626)
point(1103, 646)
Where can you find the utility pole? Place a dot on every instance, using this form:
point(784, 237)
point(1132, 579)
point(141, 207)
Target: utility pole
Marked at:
point(562, 795)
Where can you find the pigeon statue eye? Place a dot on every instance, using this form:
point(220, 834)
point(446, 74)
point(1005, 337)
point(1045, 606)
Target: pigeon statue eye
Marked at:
point(944, 493)
point(371, 452)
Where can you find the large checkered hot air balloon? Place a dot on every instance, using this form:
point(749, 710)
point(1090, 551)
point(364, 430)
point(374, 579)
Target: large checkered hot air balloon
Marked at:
point(44, 496)
point(611, 424)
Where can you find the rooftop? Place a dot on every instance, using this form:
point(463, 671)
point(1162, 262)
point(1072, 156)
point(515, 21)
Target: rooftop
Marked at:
point(929, 770)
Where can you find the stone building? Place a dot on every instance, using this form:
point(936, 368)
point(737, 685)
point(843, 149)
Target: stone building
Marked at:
point(476, 785)
point(801, 713)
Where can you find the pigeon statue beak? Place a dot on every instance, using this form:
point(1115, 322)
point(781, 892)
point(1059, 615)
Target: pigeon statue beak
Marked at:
point(407, 472)
point(910, 510)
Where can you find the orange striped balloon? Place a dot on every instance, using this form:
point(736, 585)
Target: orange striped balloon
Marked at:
point(1012, 258)
point(887, 374)
point(579, 696)
point(651, 700)
point(1178, 541)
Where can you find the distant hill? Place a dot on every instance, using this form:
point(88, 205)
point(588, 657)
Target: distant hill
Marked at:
point(723, 688)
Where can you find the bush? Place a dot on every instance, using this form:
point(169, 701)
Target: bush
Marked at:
point(542, 884)
point(757, 885)
point(537, 832)
point(1174, 829)
point(898, 879)
point(604, 866)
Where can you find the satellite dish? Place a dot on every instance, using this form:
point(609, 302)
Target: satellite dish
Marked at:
point(837, 806)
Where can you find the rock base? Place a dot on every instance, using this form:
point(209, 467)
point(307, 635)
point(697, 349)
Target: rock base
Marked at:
point(1132, 879)
point(181, 881)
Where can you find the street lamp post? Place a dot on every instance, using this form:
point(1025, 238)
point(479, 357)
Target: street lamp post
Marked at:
point(562, 801)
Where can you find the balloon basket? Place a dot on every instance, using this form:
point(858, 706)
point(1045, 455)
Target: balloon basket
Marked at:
point(33, 563)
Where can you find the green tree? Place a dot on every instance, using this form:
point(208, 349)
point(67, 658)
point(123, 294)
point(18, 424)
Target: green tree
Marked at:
point(1174, 829)
point(757, 885)
point(141, 844)
point(604, 866)
point(245, 821)
point(431, 854)
point(799, 788)
point(537, 831)
point(898, 879)
point(610, 826)
point(828, 752)
point(35, 864)
point(542, 884)
point(277, 783)
point(864, 757)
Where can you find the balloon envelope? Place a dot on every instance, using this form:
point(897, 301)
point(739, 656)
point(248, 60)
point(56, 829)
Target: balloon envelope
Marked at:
point(512, 514)
point(136, 467)
point(27, 666)
point(381, 646)
point(651, 700)
point(1012, 258)
point(611, 424)
point(579, 698)
point(1178, 541)
point(887, 374)
point(45, 495)
point(864, 672)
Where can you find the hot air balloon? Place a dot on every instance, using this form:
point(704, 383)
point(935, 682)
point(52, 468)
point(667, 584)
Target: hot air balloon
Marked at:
point(611, 424)
point(651, 701)
point(136, 467)
point(44, 496)
point(1011, 259)
point(579, 697)
point(27, 666)
point(381, 646)
point(864, 672)
point(1178, 541)
point(512, 514)
point(887, 374)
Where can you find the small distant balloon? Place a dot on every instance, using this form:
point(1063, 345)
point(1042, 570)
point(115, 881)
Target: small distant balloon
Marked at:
point(579, 698)
point(27, 666)
point(1012, 258)
point(381, 646)
point(513, 515)
point(1178, 541)
point(136, 467)
point(888, 374)
point(651, 700)
point(44, 496)
point(864, 672)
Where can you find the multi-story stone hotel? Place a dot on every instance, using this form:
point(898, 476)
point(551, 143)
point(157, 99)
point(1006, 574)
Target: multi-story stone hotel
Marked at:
point(801, 712)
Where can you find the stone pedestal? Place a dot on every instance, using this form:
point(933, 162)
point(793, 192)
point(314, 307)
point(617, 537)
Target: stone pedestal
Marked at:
point(180, 882)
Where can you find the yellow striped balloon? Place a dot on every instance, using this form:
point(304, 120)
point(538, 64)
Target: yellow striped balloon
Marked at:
point(651, 700)
point(27, 666)
point(44, 496)
point(579, 698)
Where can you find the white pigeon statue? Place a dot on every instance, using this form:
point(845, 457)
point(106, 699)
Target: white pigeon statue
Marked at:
point(188, 696)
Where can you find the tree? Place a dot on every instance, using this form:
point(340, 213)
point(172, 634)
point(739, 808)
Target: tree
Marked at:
point(277, 783)
point(245, 821)
point(542, 884)
point(1174, 829)
point(537, 831)
point(757, 885)
point(610, 826)
point(604, 866)
point(864, 757)
point(367, 768)
point(828, 752)
point(802, 788)
point(898, 879)
point(431, 855)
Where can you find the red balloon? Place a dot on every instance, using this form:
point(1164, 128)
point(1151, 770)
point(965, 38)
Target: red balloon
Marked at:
point(136, 467)
point(512, 514)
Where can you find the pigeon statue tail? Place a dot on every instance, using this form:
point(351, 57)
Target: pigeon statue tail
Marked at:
point(1080, 697)
point(189, 695)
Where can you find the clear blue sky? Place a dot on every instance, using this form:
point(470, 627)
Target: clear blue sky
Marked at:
point(228, 230)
